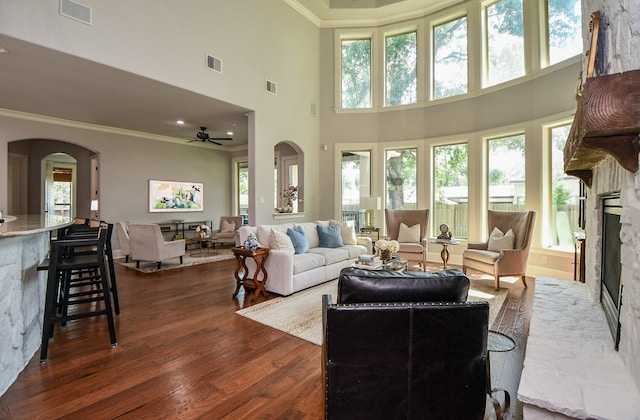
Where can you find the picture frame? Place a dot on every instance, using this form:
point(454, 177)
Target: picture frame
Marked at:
point(175, 196)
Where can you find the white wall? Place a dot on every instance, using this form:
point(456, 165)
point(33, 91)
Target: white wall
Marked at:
point(167, 41)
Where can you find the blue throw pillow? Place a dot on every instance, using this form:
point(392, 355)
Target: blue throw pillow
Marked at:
point(299, 239)
point(330, 236)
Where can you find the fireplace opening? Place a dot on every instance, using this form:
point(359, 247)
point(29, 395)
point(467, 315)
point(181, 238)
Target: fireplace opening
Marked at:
point(611, 288)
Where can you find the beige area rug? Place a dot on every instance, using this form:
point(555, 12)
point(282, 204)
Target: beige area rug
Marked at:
point(190, 258)
point(301, 313)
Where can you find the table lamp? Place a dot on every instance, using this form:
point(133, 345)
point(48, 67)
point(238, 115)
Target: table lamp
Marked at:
point(370, 205)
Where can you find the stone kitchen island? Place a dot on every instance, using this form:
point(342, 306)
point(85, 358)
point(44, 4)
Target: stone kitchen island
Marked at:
point(24, 243)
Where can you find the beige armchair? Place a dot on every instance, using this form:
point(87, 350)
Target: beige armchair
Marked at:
point(413, 249)
point(123, 238)
point(227, 231)
point(505, 262)
point(148, 244)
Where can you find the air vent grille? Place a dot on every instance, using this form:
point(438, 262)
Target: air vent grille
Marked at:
point(76, 11)
point(214, 63)
point(272, 87)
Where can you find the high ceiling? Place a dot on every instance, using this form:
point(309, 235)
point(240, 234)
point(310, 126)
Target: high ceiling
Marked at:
point(36, 80)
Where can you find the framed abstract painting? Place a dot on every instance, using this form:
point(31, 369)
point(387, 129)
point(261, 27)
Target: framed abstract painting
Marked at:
point(175, 196)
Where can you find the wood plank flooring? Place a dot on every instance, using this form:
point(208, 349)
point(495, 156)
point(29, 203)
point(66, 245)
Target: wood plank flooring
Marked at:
point(183, 353)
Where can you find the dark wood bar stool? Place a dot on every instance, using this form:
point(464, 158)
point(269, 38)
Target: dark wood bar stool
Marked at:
point(85, 271)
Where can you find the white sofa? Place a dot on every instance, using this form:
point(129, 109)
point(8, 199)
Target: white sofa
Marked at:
point(289, 272)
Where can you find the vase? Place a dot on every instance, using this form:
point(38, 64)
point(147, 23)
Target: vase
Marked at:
point(203, 234)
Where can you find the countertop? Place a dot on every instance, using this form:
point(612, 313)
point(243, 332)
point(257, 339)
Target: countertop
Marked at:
point(29, 224)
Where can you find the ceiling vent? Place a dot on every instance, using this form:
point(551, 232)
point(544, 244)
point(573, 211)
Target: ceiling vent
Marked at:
point(214, 63)
point(75, 11)
point(272, 87)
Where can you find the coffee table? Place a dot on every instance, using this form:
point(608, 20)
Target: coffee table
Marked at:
point(209, 246)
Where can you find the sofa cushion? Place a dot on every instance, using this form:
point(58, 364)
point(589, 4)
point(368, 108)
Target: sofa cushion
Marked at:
point(299, 239)
point(311, 232)
point(347, 230)
point(307, 261)
point(355, 250)
point(331, 255)
point(330, 236)
point(263, 232)
point(280, 240)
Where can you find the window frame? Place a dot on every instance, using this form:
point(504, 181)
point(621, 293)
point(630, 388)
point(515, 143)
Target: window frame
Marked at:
point(399, 32)
point(433, 24)
point(341, 36)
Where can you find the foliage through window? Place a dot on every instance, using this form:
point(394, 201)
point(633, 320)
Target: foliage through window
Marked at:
point(564, 29)
point(356, 183)
point(450, 58)
point(507, 173)
point(565, 193)
point(504, 39)
point(451, 188)
point(401, 87)
point(356, 73)
point(401, 174)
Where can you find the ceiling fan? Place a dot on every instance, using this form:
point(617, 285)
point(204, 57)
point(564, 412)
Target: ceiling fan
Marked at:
point(204, 137)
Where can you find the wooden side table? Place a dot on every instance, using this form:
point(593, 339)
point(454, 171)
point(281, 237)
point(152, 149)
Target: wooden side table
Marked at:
point(260, 256)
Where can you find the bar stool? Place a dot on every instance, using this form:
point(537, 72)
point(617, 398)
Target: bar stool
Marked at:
point(65, 270)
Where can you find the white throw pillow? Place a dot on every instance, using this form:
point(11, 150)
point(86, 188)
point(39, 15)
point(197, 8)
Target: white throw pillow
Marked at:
point(227, 227)
point(280, 240)
point(499, 240)
point(347, 230)
point(409, 234)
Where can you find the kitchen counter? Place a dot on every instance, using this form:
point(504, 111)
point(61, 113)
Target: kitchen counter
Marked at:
point(24, 243)
point(29, 224)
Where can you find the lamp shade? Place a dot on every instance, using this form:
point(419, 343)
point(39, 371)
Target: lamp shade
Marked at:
point(371, 203)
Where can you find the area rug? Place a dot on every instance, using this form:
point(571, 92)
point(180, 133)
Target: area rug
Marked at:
point(189, 259)
point(301, 313)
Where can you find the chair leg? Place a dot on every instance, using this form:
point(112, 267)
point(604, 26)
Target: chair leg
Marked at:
point(524, 280)
point(180, 259)
point(497, 282)
point(159, 264)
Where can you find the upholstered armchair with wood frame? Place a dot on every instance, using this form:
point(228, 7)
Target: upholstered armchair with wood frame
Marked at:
point(505, 253)
point(409, 228)
point(148, 244)
point(122, 231)
point(227, 231)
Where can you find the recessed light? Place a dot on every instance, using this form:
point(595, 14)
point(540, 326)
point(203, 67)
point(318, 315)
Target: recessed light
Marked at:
point(3, 50)
point(180, 122)
point(229, 133)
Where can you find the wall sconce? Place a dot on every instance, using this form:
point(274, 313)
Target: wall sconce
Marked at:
point(370, 204)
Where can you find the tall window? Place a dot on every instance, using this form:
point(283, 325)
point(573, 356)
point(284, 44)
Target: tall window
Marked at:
point(356, 73)
point(507, 173)
point(356, 183)
point(565, 192)
point(400, 59)
point(504, 40)
point(401, 174)
point(451, 188)
point(564, 29)
point(450, 58)
point(243, 191)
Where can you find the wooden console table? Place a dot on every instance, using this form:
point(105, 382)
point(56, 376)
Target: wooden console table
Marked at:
point(260, 256)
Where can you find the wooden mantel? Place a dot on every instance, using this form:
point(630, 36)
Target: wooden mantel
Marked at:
point(607, 122)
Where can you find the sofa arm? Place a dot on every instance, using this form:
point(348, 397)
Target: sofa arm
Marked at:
point(366, 242)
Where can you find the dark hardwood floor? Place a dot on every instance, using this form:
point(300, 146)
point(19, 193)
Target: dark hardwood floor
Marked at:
point(183, 353)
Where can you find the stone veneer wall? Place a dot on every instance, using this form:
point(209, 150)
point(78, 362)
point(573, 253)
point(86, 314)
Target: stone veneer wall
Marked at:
point(618, 52)
point(22, 291)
